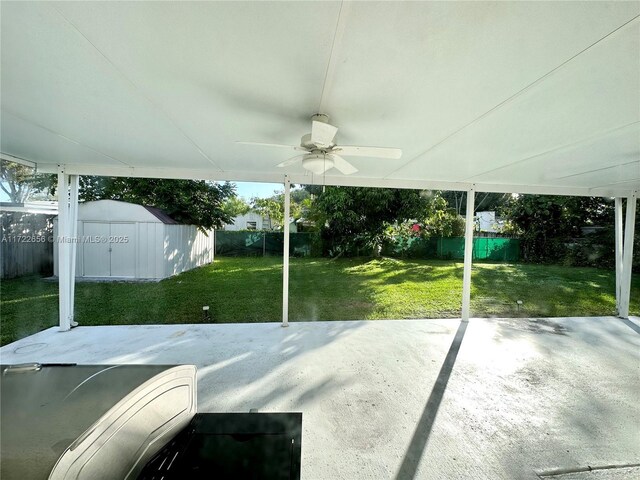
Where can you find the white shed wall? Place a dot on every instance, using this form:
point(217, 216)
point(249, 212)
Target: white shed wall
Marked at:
point(186, 247)
point(149, 250)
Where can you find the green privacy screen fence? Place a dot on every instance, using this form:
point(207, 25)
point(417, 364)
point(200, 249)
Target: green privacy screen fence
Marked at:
point(262, 243)
point(497, 249)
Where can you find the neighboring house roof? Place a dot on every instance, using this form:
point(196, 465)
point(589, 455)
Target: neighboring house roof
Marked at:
point(162, 216)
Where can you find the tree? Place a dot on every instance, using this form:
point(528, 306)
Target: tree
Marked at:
point(14, 181)
point(354, 218)
point(194, 202)
point(271, 207)
point(548, 226)
point(484, 201)
point(14, 178)
point(95, 188)
point(235, 206)
point(20, 182)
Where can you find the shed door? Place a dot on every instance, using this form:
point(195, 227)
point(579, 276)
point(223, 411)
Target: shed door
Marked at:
point(123, 250)
point(95, 250)
point(109, 249)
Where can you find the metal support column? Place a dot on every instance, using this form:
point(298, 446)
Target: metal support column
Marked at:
point(619, 249)
point(627, 255)
point(67, 239)
point(74, 185)
point(468, 255)
point(64, 252)
point(285, 259)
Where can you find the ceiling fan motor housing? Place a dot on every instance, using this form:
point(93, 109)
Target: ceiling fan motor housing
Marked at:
point(320, 117)
point(306, 142)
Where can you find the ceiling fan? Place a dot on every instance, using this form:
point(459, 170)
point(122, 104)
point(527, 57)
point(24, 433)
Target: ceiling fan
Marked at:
point(321, 152)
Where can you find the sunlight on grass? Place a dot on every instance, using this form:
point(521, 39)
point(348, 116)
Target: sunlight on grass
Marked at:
point(29, 299)
point(250, 290)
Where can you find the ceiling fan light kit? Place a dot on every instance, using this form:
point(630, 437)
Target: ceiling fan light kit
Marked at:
point(323, 153)
point(317, 163)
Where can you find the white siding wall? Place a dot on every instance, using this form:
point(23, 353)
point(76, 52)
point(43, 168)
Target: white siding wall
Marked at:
point(240, 222)
point(186, 247)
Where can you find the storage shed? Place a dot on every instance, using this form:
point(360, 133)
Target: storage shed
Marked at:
point(123, 240)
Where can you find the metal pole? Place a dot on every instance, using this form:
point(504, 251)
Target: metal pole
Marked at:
point(468, 255)
point(74, 183)
point(619, 250)
point(627, 256)
point(285, 260)
point(64, 257)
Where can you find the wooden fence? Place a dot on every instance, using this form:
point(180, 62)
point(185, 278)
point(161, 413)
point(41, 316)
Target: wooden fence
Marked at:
point(26, 244)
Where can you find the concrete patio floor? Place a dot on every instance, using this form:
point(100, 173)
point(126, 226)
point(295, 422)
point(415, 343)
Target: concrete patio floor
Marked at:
point(428, 399)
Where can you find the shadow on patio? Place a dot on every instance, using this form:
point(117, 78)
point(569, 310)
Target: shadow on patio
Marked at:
point(420, 438)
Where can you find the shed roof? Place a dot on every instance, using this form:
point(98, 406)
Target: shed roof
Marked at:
point(119, 211)
point(162, 216)
point(537, 97)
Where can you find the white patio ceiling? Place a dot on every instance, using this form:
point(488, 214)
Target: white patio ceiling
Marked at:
point(540, 97)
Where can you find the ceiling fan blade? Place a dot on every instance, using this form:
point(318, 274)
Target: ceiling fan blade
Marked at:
point(375, 152)
point(341, 164)
point(291, 161)
point(279, 145)
point(322, 134)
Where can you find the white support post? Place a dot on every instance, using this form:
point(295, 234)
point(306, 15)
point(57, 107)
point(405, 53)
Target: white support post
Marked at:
point(64, 252)
point(619, 249)
point(285, 259)
point(627, 255)
point(468, 255)
point(74, 184)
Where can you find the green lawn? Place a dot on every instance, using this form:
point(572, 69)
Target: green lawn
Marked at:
point(250, 290)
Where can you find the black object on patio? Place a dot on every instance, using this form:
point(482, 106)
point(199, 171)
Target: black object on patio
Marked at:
point(232, 445)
